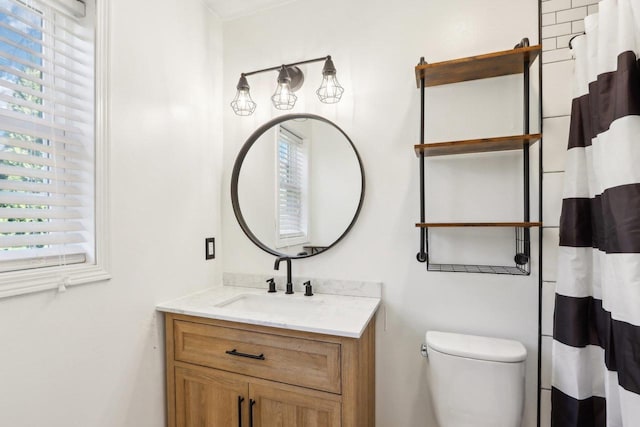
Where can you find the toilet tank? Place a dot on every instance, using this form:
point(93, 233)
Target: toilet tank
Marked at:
point(476, 381)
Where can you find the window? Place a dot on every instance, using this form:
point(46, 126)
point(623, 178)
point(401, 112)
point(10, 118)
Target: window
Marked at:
point(292, 198)
point(51, 187)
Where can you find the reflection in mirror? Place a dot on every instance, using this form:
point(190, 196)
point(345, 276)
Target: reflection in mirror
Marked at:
point(299, 187)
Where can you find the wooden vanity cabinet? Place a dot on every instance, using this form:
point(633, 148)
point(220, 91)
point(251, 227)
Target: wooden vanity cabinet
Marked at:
point(227, 374)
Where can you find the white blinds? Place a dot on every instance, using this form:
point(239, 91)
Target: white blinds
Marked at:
point(292, 178)
point(46, 133)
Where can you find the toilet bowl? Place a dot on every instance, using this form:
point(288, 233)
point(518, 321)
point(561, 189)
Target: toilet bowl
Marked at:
point(476, 381)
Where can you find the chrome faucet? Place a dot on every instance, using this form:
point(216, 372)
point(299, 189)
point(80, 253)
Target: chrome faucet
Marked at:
point(277, 267)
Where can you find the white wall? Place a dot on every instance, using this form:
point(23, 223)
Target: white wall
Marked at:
point(336, 184)
point(93, 356)
point(375, 46)
point(256, 188)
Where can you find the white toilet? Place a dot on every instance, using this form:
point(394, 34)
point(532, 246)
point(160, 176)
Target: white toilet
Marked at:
point(476, 381)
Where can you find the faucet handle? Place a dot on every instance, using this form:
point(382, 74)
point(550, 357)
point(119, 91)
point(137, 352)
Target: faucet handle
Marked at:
point(308, 290)
point(272, 285)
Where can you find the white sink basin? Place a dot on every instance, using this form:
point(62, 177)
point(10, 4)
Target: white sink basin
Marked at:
point(290, 305)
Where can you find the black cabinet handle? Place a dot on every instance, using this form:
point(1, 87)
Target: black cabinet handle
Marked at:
point(240, 400)
point(251, 403)
point(250, 356)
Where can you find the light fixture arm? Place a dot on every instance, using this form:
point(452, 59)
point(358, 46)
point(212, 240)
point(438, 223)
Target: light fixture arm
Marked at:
point(293, 64)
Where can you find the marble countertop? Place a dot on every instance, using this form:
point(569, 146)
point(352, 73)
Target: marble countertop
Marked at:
point(339, 315)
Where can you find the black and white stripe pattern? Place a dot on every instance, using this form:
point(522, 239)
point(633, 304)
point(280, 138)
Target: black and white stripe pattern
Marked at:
point(596, 347)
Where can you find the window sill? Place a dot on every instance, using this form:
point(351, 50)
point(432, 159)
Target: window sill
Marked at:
point(38, 280)
point(294, 241)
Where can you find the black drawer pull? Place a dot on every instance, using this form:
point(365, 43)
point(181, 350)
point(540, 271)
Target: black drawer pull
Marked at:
point(250, 356)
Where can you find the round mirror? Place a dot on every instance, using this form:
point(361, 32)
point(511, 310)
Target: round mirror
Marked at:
point(297, 186)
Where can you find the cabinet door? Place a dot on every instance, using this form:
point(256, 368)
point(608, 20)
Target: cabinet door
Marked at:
point(279, 405)
point(210, 398)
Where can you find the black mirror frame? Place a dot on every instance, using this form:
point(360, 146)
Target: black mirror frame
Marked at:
point(236, 174)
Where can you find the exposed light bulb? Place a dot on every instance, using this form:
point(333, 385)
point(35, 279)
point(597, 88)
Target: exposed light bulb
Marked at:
point(242, 104)
point(283, 98)
point(330, 90)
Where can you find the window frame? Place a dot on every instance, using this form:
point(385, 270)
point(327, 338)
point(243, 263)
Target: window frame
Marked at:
point(26, 281)
point(285, 242)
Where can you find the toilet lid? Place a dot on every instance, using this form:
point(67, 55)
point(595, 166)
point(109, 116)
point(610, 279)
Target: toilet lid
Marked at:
point(475, 347)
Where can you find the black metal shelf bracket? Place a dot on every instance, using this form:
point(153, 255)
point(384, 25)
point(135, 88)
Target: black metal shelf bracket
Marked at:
point(523, 254)
point(423, 255)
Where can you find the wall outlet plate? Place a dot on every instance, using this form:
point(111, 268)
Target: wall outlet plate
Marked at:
point(209, 248)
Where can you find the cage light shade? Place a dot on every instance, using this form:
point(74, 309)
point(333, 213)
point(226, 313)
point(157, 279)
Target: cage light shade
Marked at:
point(330, 90)
point(242, 104)
point(284, 98)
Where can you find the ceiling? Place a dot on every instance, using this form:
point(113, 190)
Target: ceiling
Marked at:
point(231, 9)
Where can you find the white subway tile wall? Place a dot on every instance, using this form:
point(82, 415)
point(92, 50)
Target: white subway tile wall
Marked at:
point(558, 55)
point(548, 44)
point(577, 27)
point(556, 30)
point(545, 408)
point(557, 90)
point(552, 190)
point(555, 5)
point(578, 3)
point(562, 42)
point(548, 301)
point(545, 366)
point(577, 14)
point(550, 241)
point(548, 18)
point(556, 135)
point(561, 20)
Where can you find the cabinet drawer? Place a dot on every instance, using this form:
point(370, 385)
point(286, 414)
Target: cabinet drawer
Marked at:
point(298, 361)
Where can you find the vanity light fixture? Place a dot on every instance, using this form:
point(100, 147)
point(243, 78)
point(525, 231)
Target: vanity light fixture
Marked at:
point(290, 79)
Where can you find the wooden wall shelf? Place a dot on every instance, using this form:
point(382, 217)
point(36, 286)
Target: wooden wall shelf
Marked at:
point(483, 145)
point(514, 61)
point(494, 64)
point(478, 224)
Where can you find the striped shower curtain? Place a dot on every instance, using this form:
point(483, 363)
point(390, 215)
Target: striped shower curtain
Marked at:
point(596, 346)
